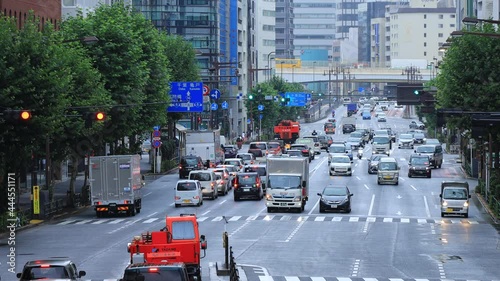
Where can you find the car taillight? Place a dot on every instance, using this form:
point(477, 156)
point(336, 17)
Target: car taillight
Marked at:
point(235, 185)
point(180, 167)
point(196, 197)
point(212, 184)
point(305, 151)
point(153, 269)
point(45, 265)
point(222, 181)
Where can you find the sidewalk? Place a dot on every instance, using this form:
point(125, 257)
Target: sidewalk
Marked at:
point(60, 192)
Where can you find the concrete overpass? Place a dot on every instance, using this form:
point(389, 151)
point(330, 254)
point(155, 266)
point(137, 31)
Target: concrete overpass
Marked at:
point(309, 75)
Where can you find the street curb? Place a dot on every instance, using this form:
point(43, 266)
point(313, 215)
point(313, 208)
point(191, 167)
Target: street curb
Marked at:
point(214, 277)
point(487, 208)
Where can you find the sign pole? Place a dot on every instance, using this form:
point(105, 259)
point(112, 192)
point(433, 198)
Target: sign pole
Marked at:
point(260, 128)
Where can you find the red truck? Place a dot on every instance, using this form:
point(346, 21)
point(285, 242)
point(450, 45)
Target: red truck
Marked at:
point(179, 242)
point(287, 130)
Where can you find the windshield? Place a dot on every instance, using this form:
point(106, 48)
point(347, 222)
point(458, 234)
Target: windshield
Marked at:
point(334, 191)
point(273, 145)
point(294, 153)
point(148, 274)
point(341, 160)
point(200, 176)
point(381, 140)
point(260, 170)
point(186, 186)
point(376, 158)
point(406, 136)
point(261, 146)
point(336, 149)
point(420, 161)
point(245, 156)
point(387, 166)
point(356, 135)
point(52, 272)
point(456, 194)
point(247, 179)
point(233, 162)
point(284, 182)
point(420, 136)
point(191, 161)
point(425, 149)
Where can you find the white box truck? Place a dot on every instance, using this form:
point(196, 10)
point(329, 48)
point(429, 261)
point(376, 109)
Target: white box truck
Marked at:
point(287, 186)
point(205, 144)
point(455, 198)
point(115, 184)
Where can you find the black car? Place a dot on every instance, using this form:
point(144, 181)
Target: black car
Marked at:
point(230, 151)
point(295, 153)
point(248, 185)
point(373, 163)
point(348, 128)
point(305, 149)
point(50, 269)
point(419, 166)
point(335, 198)
point(325, 141)
point(189, 163)
point(419, 138)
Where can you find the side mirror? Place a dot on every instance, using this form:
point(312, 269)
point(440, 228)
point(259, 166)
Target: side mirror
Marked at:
point(440, 195)
point(351, 194)
point(81, 273)
point(18, 275)
point(469, 195)
point(415, 151)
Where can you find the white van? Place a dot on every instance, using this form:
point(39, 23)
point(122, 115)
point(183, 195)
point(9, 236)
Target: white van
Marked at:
point(381, 144)
point(388, 171)
point(188, 193)
point(208, 182)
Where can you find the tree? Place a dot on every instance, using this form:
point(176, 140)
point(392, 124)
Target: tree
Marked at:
point(130, 57)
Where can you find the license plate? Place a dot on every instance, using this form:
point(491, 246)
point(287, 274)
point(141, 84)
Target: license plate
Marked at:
point(334, 206)
point(186, 201)
point(449, 210)
point(246, 189)
point(112, 204)
point(283, 204)
point(387, 177)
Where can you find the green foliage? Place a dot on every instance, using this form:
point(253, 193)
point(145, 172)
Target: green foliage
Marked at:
point(468, 77)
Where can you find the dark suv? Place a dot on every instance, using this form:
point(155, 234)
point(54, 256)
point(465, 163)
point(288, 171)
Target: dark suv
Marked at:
point(153, 272)
point(247, 185)
point(189, 163)
point(50, 269)
point(419, 165)
point(306, 150)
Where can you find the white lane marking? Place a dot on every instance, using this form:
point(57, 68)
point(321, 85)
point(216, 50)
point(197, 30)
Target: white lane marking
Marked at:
point(319, 218)
point(413, 187)
point(206, 212)
point(387, 219)
point(147, 194)
point(127, 224)
point(317, 279)
point(235, 218)
point(371, 205)
point(83, 222)
point(421, 220)
point(427, 211)
point(150, 220)
point(268, 218)
point(200, 219)
point(354, 219)
point(266, 278)
point(405, 220)
point(100, 222)
point(150, 215)
point(295, 231)
point(292, 278)
point(116, 221)
point(251, 218)
point(66, 222)
point(218, 218)
point(366, 186)
point(337, 219)
point(223, 201)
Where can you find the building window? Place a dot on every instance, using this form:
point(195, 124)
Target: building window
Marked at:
point(452, 25)
point(268, 42)
point(425, 34)
point(452, 16)
point(425, 44)
point(425, 25)
point(441, 17)
point(69, 3)
point(425, 16)
point(440, 25)
point(440, 35)
point(425, 54)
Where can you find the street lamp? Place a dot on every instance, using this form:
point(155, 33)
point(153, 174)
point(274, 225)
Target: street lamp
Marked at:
point(412, 73)
point(269, 63)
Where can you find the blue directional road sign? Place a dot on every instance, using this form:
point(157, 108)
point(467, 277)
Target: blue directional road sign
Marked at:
point(186, 97)
point(296, 99)
point(156, 128)
point(308, 97)
point(361, 89)
point(224, 105)
point(215, 94)
point(214, 106)
point(260, 107)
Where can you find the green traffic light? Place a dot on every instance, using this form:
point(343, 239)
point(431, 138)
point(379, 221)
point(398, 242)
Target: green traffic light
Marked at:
point(282, 99)
point(416, 92)
point(250, 97)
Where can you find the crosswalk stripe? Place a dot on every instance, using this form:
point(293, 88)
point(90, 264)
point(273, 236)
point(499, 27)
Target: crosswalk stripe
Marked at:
point(371, 219)
point(318, 279)
point(421, 279)
point(319, 218)
point(150, 220)
point(387, 219)
point(354, 219)
point(117, 221)
point(337, 219)
point(235, 218)
point(100, 222)
point(344, 279)
point(200, 219)
point(473, 222)
point(266, 278)
point(370, 279)
point(285, 218)
point(405, 220)
point(421, 220)
point(268, 218)
point(292, 278)
point(251, 218)
point(219, 218)
point(66, 222)
point(396, 279)
point(83, 222)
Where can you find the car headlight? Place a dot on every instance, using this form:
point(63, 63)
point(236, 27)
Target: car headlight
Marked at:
point(269, 197)
point(297, 199)
point(445, 203)
point(466, 204)
point(324, 200)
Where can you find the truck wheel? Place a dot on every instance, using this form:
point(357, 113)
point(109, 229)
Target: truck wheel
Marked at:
point(397, 183)
point(98, 214)
point(269, 209)
point(132, 211)
point(466, 215)
point(138, 210)
point(429, 176)
point(378, 182)
point(177, 205)
point(442, 214)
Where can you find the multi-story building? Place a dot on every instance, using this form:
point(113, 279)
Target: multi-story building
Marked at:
point(48, 11)
point(263, 39)
point(71, 8)
point(313, 25)
point(284, 29)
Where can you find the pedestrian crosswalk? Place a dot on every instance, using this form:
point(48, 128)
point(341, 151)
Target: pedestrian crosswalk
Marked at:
point(297, 278)
point(298, 218)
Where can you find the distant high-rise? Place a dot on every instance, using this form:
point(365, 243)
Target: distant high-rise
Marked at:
point(284, 29)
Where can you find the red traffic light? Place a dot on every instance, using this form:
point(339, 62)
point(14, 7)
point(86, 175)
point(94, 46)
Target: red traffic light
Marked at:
point(16, 115)
point(99, 116)
point(25, 115)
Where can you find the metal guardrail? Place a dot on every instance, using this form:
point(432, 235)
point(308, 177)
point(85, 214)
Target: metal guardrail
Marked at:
point(495, 206)
point(234, 275)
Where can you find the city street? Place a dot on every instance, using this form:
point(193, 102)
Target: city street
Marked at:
point(393, 232)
